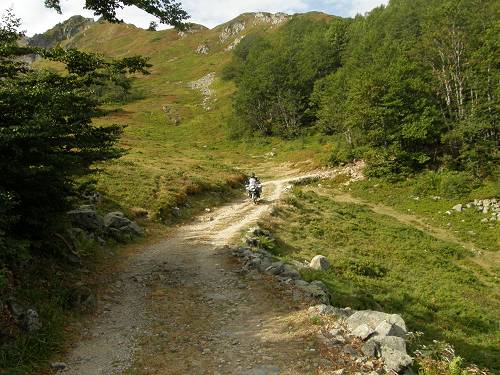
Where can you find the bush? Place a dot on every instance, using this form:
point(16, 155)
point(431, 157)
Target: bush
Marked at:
point(446, 184)
point(341, 153)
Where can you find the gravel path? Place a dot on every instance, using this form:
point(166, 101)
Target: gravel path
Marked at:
point(183, 306)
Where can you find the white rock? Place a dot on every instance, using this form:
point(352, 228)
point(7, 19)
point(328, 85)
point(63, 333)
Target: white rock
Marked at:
point(363, 331)
point(319, 262)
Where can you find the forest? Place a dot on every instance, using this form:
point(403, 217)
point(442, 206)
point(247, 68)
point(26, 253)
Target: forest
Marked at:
point(411, 86)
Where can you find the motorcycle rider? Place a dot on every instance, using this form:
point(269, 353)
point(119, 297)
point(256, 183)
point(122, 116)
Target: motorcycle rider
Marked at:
point(254, 181)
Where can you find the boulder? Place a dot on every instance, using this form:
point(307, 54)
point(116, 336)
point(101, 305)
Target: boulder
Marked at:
point(330, 310)
point(363, 331)
point(393, 342)
point(117, 220)
point(264, 264)
point(373, 320)
point(458, 208)
point(275, 268)
point(395, 360)
point(319, 262)
point(387, 329)
point(86, 218)
point(371, 348)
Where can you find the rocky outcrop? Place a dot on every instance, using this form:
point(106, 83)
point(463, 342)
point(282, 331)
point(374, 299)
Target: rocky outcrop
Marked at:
point(203, 84)
point(234, 43)
point(489, 207)
point(231, 30)
point(60, 32)
point(203, 49)
point(270, 18)
point(382, 335)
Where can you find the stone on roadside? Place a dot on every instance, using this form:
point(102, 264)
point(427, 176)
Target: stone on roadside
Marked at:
point(290, 272)
point(387, 329)
point(371, 348)
point(117, 220)
point(319, 262)
point(395, 360)
point(374, 318)
point(363, 331)
point(86, 218)
point(59, 365)
point(458, 207)
point(275, 268)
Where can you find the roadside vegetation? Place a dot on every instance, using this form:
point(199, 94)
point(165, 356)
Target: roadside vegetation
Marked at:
point(381, 263)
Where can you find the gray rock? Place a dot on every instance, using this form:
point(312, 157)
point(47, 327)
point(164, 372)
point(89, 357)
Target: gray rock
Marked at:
point(275, 268)
point(31, 321)
point(459, 207)
point(117, 220)
point(394, 360)
point(330, 310)
point(313, 291)
point(371, 348)
point(319, 262)
point(254, 263)
point(320, 284)
point(339, 372)
point(393, 342)
point(387, 329)
point(363, 331)
point(290, 272)
point(86, 218)
point(374, 318)
point(264, 264)
point(59, 365)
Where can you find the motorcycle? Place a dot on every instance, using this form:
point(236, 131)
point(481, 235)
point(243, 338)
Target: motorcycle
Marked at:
point(254, 192)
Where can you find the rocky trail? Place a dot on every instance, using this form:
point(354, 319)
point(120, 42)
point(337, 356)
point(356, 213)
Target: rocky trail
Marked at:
point(183, 306)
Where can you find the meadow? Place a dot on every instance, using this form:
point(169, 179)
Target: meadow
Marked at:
point(381, 263)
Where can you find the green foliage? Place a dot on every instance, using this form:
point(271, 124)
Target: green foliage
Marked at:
point(445, 184)
point(383, 264)
point(275, 74)
point(47, 138)
point(415, 81)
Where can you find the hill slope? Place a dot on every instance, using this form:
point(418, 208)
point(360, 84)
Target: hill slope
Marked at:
point(177, 119)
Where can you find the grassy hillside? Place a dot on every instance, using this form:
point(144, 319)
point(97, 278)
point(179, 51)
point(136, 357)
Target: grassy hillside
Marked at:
point(178, 138)
point(391, 260)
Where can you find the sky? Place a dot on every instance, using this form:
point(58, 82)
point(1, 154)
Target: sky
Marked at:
point(37, 19)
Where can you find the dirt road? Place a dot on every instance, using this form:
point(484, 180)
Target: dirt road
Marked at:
point(183, 307)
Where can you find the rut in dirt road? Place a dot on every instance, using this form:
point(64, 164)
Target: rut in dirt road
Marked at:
point(180, 307)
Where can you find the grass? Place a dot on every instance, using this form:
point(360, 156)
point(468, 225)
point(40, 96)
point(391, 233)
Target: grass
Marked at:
point(418, 196)
point(380, 263)
point(167, 163)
